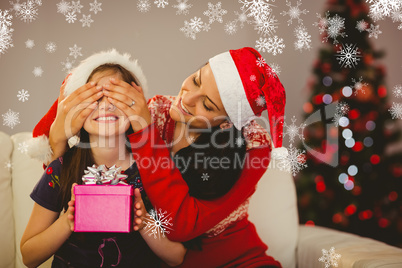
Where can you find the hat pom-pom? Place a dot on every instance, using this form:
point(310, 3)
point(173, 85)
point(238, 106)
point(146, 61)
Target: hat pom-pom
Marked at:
point(39, 148)
point(279, 153)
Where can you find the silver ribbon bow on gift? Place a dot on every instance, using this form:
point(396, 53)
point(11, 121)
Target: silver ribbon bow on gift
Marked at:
point(103, 175)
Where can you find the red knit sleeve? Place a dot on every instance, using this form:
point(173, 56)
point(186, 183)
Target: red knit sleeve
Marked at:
point(168, 191)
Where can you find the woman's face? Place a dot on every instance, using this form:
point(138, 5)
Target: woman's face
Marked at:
point(106, 120)
point(199, 104)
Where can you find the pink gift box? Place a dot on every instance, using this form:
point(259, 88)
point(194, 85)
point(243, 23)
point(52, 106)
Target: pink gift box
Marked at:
point(103, 208)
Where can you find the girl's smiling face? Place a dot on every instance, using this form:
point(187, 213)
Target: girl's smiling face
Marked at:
point(199, 103)
point(106, 120)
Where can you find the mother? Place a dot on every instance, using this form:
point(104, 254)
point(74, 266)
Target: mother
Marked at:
point(232, 88)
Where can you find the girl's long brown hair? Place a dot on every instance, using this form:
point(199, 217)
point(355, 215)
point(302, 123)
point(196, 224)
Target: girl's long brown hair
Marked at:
point(79, 157)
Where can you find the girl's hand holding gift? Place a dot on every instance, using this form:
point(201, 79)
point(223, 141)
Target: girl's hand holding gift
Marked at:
point(139, 211)
point(131, 100)
point(71, 209)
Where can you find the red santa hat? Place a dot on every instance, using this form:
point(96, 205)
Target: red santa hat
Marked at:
point(38, 146)
point(248, 86)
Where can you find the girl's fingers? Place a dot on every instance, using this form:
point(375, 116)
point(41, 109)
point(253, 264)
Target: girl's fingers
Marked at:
point(138, 88)
point(86, 93)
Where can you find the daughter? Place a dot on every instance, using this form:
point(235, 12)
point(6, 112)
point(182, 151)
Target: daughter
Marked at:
point(105, 130)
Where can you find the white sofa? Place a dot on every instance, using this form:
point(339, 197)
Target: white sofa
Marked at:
point(272, 209)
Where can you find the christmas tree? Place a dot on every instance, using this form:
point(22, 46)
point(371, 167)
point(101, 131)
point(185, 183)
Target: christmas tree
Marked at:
point(351, 182)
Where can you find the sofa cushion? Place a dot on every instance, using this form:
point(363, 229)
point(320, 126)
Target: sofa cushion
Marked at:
point(7, 245)
point(273, 210)
point(26, 173)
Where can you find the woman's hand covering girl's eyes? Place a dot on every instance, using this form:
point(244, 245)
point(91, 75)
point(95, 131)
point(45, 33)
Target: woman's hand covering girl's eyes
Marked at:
point(130, 99)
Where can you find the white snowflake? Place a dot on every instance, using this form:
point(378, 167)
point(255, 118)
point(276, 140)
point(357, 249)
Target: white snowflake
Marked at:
point(348, 56)
point(361, 25)
point(336, 119)
point(274, 69)
point(29, 43)
point(37, 71)
point(71, 17)
point(86, 20)
point(231, 27)
point(23, 147)
point(242, 18)
point(396, 15)
point(258, 9)
point(23, 95)
point(260, 101)
point(75, 51)
point(63, 7)
point(206, 27)
point(15, 6)
point(396, 110)
point(157, 223)
point(28, 11)
point(294, 162)
point(359, 85)
point(332, 26)
point(215, 12)
point(204, 176)
point(261, 44)
point(397, 91)
point(342, 108)
point(374, 31)
point(8, 165)
point(239, 141)
point(261, 62)
point(267, 26)
point(292, 130)
point(161, 3)
point(51, 47)
point(193, 27)
point(253, 78)
point(275, 45)
point(143, 6)
point(303, 39)
point(329, 257)
point(11, 119)
point(294, 12)
point(6, 40)
point(182, 7)
point(95, 7)
point(379, 9)
point(67, 65)
point(76, 6)
point(5, 18)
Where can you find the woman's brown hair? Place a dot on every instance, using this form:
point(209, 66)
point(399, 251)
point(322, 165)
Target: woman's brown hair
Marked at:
point(79, 157)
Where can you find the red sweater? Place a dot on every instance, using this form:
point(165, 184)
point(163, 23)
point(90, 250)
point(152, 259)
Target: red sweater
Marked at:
point(236, 243)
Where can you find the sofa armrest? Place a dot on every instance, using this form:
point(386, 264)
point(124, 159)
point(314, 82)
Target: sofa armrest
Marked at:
point(355, 251)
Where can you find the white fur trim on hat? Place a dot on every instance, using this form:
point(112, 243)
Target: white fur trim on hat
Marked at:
point(80, 74)
point(231, 89)
point(39, 148)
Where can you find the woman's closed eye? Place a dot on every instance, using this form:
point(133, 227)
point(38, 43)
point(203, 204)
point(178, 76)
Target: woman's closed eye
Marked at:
point(195, 81)
point(206, 107)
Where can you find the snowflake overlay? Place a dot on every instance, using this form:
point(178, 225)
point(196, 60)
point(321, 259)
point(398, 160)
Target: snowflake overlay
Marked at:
point(75, 51)
point(295, 161)
point(157, 223)
point(193, 27)
point(294, 12)
point(260, 101)
point(71, 17)
point(397, 91)
point(5, 31)
point(374, 31)
point(29, 43)
point(8, 165)
point(348, 56)
point(259, 9)
point(37, 71)
point(23, 95)
point(342, 108)
point(215, 12)
point(361, 25)
point(204, 176)
point(86, 20)
point(23, 147)
point(67, 65)
point(95, 7)
point(271, 45)
point(267, 26)
point(51, 47)
point(182, 7)
point(63, 7)
point(332, 26)
point(396, 110)
point(253, 78)
point(379, 9)
point(303, 38)
point(27, 11)
point(76, 6)
point(329, 257)
point(143, 6)
point(11, 119)
point(274, 69)
point(359, 85)
point(231, 26)
point(292, 130)
point(161, 3)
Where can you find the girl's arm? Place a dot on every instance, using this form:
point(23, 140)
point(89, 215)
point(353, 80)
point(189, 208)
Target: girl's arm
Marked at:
point(45, 233)
point(172, 253)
